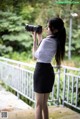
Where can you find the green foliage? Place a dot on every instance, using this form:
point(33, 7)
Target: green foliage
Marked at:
point(5, 50)
point(21, 56)
point(13, 34)
point(28, 13)
point(76, 41)
point(13, 13)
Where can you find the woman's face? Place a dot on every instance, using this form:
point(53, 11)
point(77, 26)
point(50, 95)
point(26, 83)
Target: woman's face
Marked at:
point(48, 30)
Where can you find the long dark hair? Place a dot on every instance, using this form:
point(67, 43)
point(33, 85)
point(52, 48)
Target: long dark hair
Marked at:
point(60, 35)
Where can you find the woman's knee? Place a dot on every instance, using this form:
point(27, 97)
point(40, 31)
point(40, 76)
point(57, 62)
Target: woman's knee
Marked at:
point(44, 105)
point(39, 100)
point(39, 104)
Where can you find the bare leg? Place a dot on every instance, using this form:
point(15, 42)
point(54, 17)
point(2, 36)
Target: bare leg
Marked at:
point(45, 107)
point(39, 105)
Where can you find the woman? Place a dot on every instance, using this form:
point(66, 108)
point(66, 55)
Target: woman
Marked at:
point(52, 45)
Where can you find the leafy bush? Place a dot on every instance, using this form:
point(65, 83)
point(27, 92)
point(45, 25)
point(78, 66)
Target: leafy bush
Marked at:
point(13, 34)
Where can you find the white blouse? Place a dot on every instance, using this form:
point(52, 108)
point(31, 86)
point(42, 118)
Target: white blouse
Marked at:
point(46, 50)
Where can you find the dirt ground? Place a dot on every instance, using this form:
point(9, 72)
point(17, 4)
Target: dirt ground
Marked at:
point(54, 113)
point(15, 108)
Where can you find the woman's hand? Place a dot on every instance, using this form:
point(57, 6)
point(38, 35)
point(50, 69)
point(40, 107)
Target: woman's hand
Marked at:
point(34, 35)
point(39, 37)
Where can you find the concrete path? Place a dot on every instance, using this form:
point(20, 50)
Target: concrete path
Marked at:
point(10, 101)
point(12, 105)
point(13, 108)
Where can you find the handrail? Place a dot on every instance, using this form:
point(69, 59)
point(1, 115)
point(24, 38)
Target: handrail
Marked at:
point(66, 87)
point(33, 65)
point(71, 68)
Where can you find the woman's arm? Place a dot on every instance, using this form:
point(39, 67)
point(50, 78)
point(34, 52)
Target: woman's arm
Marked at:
point(34, 35)
point(35, 43)
point(39, 37)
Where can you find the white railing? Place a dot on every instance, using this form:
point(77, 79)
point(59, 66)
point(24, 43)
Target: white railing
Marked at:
point(19, 76)
point(71, 87)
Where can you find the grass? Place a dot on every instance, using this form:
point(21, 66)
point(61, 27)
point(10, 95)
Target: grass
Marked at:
point(73, 62)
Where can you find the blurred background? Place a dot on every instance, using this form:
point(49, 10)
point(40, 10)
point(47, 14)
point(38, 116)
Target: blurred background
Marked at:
point(16, 43)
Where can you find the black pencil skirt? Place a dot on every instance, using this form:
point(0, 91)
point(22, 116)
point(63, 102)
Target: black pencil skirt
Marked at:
point(43, 78)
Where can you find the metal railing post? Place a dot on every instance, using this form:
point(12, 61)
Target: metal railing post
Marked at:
point(58, 86)
point(18, 95)
point(64, 85)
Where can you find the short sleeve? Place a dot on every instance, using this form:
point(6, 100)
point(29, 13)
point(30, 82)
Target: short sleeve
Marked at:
point(46, 50)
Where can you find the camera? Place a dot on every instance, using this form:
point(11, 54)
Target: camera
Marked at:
point(32, 28)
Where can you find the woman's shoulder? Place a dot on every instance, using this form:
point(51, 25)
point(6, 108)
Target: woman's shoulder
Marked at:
point(49, 39)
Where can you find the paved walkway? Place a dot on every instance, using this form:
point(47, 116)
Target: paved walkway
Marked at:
point(17, 109)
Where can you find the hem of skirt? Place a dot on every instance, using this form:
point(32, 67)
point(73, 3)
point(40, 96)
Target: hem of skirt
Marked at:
point(42, 91)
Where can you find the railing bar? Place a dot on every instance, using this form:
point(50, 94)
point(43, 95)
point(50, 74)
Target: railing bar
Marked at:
point(76, 91)
point(16, 67)
point(72, 105)
point(68, 88)
point(68, 74)
point(18, 79)
point(58, 85)
point(27, 83)
point(32, 88)
point(64, 85)
point(72, 90)
point(30, 65)
point(70, 68)
point(17, 62)
point(52, 100)
point(53, 93)
point(22, 82)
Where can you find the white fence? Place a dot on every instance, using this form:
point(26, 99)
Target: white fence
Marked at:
point(19, 76)
point(71, 87)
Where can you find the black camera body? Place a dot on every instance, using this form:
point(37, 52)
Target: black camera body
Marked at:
point(32, 28)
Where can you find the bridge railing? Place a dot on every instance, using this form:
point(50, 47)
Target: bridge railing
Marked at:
point(71, 87)
point(19, 76)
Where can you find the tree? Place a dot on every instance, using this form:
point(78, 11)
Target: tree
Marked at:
point(15, 12)
point(13, 34)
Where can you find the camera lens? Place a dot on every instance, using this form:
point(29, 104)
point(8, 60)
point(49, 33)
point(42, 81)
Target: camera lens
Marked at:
point(31, 28)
